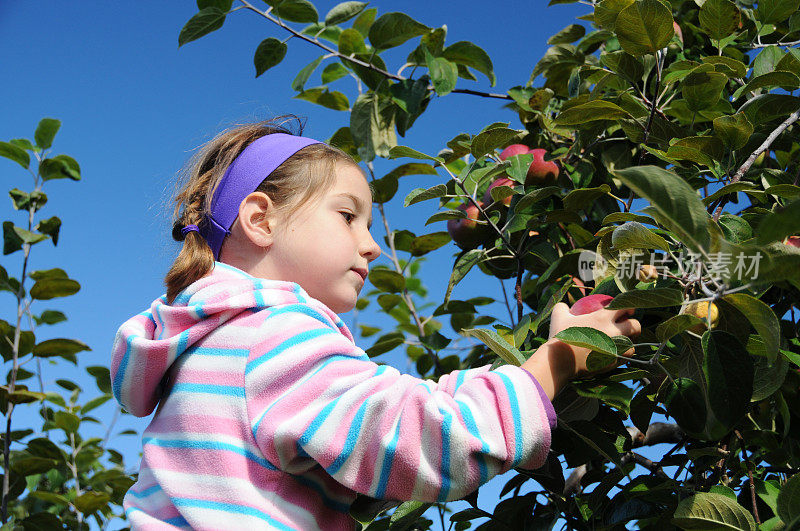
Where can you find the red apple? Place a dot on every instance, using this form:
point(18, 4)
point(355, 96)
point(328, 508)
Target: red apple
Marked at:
point(466, 232)
point(514, 149)
point(590, 303)
point(794, 241)
point(541, 171)
point(502, 181)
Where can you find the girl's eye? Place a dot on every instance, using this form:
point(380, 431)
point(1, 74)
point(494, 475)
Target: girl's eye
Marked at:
point(350, 218)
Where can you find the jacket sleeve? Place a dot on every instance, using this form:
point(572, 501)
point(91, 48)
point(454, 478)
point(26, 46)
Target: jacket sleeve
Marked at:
point(312, 393)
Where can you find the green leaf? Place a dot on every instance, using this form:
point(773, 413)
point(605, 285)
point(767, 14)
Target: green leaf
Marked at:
point(468, 54)
point(644, 27)
point(59, 347)
point(60, 167)
point(616, 217)
point(102, 377)
point(332, 72)
point(772, 11)
point(591, 338)
point(461, 267)
point(789, 502)
point(302, 77)
point(497, 344)
point(56, 272)
point(365, 20)
point(224, 5)
point(728, 369)
point(51, 497)
point(429, 242)
point(675, 325)
point(372, 126)
point(444, 74)
point(403, 151)
point(719, 18)
point(624, 64)
point(50, 317)
point(571, 33)
point(607, 11)
point(344, 12)
point(634, 235)
point(727, 65)
point(778, 78)
point(676, 204)
point(734, 130)
point(729, 189)
point(422, 194)
point(446, 215)
point(705, 510)
point(51, 227)
point(686, 403)
point(702, 89)
point(790, 62)
point(389, 281)
point(351, 42)
point(67, 421)
point(54, 287)
point(46, 132)
point(92, 501)
point(783, 221)
point(24, 201)
point(322, 96)
point(762, 318)
point(393, 29)
point(207, 20)
point(15, 153)
point(95, 403)
point(767, 377)
point(588, 112)
point(647, 298)
point(294, 10)
point(787, 191)
point(489, 140)
point(269, 53)
point(15, 237)
point(583, 198)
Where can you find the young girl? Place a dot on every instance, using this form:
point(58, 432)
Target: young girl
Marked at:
point(269, 416)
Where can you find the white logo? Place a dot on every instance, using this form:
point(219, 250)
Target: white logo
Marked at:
point(589, 264)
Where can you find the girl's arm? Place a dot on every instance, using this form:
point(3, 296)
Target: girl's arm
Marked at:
point(314, 397)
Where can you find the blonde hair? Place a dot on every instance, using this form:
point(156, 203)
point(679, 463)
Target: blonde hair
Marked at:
point(303, 177)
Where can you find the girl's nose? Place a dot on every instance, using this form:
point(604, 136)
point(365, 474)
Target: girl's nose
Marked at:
point(370, 248)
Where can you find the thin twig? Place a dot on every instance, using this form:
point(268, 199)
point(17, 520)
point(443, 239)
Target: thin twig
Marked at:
point(753, 156)
point(359, 62)
point(396, 262)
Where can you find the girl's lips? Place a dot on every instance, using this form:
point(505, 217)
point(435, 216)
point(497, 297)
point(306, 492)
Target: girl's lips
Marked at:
point(362, 272)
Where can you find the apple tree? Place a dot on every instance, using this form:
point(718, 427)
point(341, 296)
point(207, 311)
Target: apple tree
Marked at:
point(57, 473)
point(656, 161)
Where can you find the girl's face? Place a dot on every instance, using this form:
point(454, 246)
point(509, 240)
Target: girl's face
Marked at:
point(326, 246)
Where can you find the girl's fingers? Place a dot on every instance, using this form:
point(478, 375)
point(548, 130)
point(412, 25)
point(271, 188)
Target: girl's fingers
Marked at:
point(629, 327)
point(623, 313)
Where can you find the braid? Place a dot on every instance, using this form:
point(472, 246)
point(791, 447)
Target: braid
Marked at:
point(195, 259)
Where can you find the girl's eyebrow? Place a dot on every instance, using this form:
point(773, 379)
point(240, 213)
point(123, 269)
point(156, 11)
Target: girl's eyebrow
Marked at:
point(359, 205)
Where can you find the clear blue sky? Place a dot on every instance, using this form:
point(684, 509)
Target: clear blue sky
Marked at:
point(133, 106)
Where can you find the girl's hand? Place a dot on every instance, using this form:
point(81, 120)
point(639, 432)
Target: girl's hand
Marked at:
point(612, 322)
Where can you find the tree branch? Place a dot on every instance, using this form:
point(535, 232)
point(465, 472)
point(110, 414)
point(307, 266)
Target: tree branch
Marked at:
point(359, 62)
point(753, 156)
point(657, 433)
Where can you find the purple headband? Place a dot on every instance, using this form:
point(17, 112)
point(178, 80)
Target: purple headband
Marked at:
point(243, 177)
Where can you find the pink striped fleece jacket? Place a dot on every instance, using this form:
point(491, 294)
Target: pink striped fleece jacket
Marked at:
point(270, 417)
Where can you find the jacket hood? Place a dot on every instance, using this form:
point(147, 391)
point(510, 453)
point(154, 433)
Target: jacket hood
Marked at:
point(146, 345)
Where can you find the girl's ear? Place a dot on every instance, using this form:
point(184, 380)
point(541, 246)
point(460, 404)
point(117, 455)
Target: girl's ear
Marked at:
point(257, 217)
